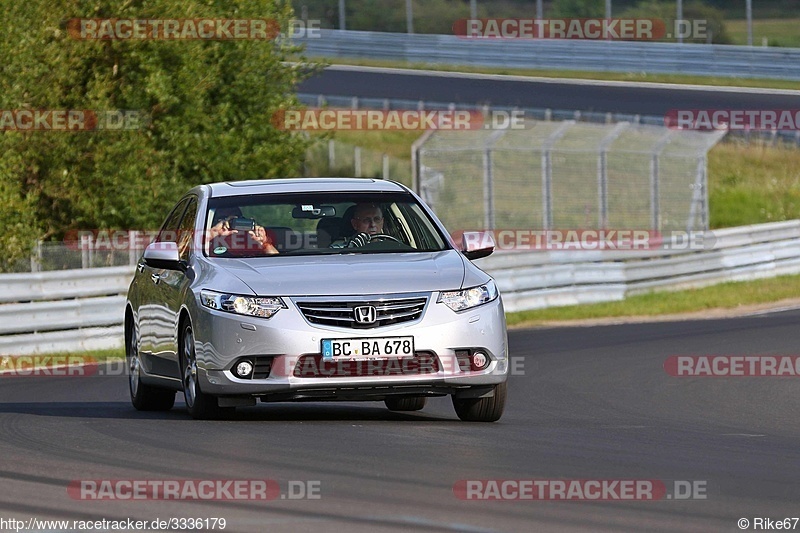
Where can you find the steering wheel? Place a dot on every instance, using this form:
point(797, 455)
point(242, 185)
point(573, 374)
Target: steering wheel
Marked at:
point(383, 236)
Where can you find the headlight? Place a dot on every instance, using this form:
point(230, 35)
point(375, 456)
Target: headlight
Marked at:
point(242, 305)
point(469, 298)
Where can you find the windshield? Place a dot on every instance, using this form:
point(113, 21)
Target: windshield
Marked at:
point(319, 224)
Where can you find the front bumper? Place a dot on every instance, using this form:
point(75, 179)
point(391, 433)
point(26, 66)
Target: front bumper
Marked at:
point(223, 338)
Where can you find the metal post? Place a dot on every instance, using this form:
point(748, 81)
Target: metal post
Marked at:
point(357, 161)
point(416, 161)
point(331, 155)
point(409, 17)
point(678, 18)
point(749, 9)
point(473, 9)
point(342, 25)
point(132, 250)
point(706, 218)
point(488, 180)
point(488, 199)
point(602, 172)
point(547, 172)
point(655, 185)
point(655, 194)
point(385, 173)
point(608, 9)
point(86, 243)
point(36, 257)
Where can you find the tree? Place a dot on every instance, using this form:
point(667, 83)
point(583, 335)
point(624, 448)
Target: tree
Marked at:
point(692, 10)
point(209, 104)
point(578, 8)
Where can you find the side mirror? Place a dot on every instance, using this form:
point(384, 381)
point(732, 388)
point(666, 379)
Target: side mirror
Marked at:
point(477, 244)
point(164, 255)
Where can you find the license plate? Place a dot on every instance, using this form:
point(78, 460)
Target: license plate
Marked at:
point(369, 347)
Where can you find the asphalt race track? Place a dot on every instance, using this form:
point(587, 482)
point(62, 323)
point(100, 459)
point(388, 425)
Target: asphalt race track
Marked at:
point(587, 403)
point(584, 95)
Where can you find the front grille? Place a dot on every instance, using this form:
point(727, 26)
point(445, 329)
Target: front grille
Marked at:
point(342, 313)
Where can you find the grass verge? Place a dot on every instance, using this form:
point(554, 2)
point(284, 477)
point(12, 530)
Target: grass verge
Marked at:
point(779, 32)
point(730, 295)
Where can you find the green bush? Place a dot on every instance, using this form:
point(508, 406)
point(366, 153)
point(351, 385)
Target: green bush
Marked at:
point(209, 103)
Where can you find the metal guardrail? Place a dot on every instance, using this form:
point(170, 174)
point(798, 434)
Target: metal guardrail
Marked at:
point(62, 311)
point(535, 280)
point(596, 56)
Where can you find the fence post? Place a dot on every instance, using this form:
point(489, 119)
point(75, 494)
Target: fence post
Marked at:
point(385, 173)
point(331, 155)
point(86, 246)
point(416, 161)
point(132, 249)
point(655, 179)
point(602, 172)
point(488, 180)
point(547, 172)
point(357, 161)
point(36, 257)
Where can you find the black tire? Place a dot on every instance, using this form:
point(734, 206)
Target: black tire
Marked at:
point(482, 409)
point(143, 397)
point(200, 405)
point(405, 403)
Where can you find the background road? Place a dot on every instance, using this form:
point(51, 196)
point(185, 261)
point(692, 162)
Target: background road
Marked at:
point(583, 95)
point(594, 402)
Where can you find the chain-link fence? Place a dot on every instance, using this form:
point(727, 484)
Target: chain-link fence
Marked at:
point(568, 174)
point(332, 158)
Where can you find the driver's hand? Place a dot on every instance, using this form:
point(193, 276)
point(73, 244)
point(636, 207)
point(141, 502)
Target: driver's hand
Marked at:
point(359, 240)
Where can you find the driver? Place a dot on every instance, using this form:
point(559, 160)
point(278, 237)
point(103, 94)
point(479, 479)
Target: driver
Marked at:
point(367, 221)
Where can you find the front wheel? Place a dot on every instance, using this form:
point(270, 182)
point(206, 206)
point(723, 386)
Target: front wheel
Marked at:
point(482, 409)
point(144, 397)
point(200, 405)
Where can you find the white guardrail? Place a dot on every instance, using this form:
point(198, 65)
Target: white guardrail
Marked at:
point(74, 310)
point(602, 56)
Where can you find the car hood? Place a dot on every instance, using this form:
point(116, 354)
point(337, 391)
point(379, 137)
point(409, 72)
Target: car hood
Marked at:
point(349, 274)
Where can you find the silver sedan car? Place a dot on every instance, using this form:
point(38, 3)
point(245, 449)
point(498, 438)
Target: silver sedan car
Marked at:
point(313, 290)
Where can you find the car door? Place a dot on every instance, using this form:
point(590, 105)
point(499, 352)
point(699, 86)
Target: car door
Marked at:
point(171, 287)
point(153, 319)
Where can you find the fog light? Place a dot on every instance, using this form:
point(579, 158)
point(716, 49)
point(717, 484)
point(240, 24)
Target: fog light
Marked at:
point(479, 360)
point(243, 369)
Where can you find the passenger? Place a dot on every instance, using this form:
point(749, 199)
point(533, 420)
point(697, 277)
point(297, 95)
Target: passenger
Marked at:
point(221, 228)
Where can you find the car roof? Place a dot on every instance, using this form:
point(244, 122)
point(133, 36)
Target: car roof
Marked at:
point(295, 185)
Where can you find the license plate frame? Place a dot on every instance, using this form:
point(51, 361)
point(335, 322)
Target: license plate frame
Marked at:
point(376, 347)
